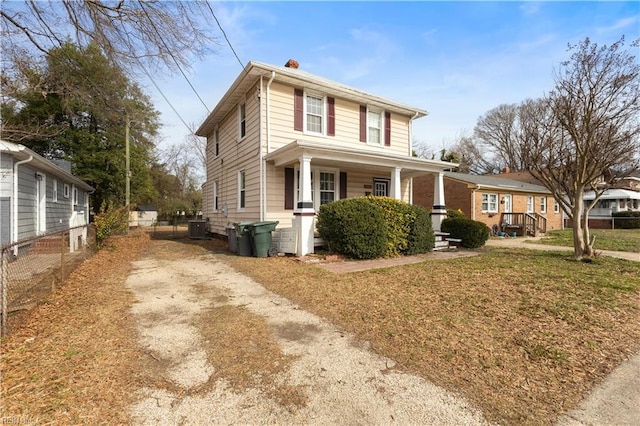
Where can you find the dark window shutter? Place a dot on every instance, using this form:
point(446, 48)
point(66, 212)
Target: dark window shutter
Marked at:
point(363, 123)
point(387, 129)
point(298, 109)
point(288, 188)
point(331, 117)
point(343, 185)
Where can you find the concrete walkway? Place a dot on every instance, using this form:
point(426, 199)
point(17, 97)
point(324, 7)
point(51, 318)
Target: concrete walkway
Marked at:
point(533, 244)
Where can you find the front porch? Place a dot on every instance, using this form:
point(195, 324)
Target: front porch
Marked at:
point(319, 172)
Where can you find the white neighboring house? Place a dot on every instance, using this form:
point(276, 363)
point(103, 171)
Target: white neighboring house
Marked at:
point(612, 201)
point(38, 196)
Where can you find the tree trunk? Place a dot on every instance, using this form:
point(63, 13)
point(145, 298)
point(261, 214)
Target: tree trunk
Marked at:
point(579, 243)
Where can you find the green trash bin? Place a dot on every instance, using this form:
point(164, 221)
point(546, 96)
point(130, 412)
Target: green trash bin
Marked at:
point(244, 238)
point(261, 237)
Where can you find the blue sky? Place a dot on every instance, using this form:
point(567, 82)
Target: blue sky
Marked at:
point(457, 60)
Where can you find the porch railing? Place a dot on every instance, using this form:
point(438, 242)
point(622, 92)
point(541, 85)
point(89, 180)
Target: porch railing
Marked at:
point(523, 223)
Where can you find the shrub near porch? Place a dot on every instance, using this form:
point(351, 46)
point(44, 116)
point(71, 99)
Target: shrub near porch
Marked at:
point(370, 227)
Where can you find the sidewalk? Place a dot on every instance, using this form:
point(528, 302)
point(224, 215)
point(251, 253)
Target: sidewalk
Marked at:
point(530, 243)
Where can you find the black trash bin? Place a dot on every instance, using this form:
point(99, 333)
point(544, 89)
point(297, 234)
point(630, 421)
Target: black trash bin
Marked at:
point(244, 238)
point(261, 237)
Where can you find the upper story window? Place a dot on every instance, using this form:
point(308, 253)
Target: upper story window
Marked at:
point(374, 127)
point(65, 191)
point(490, 203)
point(54, 191)
point(242, 121)
point(216, 148)
point(75, 195)
point(314, 113)
point(556, 206)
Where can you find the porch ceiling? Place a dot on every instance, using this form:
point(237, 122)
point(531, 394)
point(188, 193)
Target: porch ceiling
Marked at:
point(340, 156)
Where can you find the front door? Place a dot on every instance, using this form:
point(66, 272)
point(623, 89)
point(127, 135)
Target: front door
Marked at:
point(506, 208)
point(381, 187)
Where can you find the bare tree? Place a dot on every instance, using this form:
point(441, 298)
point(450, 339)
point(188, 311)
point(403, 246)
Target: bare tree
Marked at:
point(588, 126)
point(497, 134)
point(136, 35)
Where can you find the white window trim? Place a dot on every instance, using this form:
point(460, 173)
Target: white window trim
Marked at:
point(216, 142)
point(75, 195)
point(315, 189)
point(240, 121)
point(242, 190)
point(54, 190)
point(215, 196)
point(66, 190)
point(489, 195)
point(556, 206)
point(323, 132)
point(531, 204)
point(543, 204)
point(382, 124)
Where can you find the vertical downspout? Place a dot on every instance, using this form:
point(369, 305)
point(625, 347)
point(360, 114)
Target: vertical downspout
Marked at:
point(263, 166)
point(14, 212)
point(262, 173)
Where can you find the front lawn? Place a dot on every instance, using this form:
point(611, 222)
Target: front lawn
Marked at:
point(522, 334)
point(606, 239)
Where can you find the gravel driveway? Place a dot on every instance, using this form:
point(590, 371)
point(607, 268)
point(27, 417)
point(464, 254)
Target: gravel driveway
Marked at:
point(344, 382)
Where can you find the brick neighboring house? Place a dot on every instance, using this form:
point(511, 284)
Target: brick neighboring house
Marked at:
point(503, 204)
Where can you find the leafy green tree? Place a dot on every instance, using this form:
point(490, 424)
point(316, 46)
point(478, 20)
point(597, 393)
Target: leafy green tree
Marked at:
point(76, 107)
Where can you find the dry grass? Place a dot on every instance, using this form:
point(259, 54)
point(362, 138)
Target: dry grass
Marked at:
point(523, 334)
point(74, 358)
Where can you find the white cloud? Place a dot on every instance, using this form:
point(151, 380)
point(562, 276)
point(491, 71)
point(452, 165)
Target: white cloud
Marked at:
point(619, 25)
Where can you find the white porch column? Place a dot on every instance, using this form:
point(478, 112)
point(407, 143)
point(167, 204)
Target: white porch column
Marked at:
point(439, 212)
point(304, 214)
point(395, 191)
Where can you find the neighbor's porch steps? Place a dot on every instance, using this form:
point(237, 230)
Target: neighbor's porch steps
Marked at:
point(443, 241)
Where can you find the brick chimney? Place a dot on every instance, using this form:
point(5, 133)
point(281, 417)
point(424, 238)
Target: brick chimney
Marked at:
point(291, 63)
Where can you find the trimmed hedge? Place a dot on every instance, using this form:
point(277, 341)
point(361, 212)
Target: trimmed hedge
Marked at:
point(631, 220)
point(354, 227)
point(472, 233)
point(370, 227)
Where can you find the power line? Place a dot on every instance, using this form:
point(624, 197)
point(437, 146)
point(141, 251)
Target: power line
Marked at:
point(225, 35)
point(172, 57)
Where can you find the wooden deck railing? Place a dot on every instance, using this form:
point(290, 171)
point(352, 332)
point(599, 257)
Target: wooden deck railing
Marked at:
point(523, 223)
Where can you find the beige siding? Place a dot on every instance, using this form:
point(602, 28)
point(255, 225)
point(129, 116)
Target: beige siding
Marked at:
point(347, 125)
point(235, 154)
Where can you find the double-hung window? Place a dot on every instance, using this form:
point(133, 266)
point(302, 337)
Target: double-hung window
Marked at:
point(556, 206)
point(314, 114)
point(530, 204)
point(54, 191)
point(543, 204)
point(375, 133)
point(215, 195)
point(242, 121)
point(216, 151)
point(323, 190)
point(241, 189)
point(490, 203)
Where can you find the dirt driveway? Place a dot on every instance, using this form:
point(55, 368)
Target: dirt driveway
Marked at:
point(188, 307)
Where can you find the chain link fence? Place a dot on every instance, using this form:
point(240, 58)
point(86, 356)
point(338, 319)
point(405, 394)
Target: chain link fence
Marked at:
point(31, 269)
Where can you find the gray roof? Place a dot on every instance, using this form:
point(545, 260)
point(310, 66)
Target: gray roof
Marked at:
point(21, 152)
point(490, 182)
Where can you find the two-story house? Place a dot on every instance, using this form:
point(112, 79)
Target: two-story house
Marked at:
point(281, 142)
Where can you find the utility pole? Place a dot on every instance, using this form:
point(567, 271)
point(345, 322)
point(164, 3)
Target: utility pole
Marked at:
point(127, 165)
